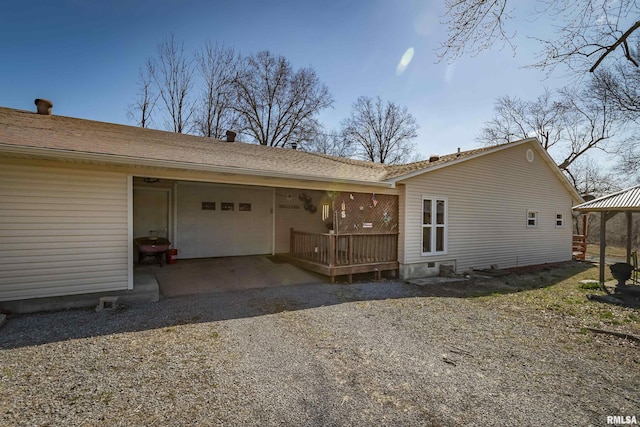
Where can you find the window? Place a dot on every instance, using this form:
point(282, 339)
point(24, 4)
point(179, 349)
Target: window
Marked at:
point(532, 219)
point(434, 225)
point(559, 220)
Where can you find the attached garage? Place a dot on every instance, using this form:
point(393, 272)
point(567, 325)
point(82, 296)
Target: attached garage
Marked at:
point(223, 220)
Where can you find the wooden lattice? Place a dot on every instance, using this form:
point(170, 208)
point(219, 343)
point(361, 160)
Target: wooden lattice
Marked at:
point(365, 213)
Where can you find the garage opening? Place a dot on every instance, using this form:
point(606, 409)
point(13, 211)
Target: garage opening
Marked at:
point(204, 220)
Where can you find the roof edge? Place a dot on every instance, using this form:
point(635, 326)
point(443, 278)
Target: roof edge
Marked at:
point(130, 160)
point(584, 206)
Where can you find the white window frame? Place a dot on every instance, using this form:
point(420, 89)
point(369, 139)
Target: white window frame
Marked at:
point(536, 218)
point(434, 226)
point(560, 223)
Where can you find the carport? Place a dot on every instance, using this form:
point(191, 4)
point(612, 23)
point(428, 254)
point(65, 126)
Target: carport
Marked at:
point(626, 201)
point(223, 274)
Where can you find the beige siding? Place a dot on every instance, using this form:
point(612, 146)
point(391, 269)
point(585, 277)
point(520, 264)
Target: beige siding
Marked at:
point(288, 217)
point(488, 198)
point(62, 231)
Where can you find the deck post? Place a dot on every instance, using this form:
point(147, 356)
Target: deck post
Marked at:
point(350, 250)
point(291, 241)
point(332, 250)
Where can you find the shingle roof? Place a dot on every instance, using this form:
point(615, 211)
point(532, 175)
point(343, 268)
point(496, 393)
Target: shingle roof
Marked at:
point(132, 145)
point(395, 171)
point(625, 200)
point(27, 129)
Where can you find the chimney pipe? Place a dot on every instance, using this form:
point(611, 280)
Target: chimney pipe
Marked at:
point(44, 106)
point(231, 136)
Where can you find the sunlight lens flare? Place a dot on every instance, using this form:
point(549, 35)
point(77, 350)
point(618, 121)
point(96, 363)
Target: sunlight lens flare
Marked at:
point(404, 61)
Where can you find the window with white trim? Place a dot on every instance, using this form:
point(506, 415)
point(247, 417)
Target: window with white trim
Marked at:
point(434, 225)
point(559, 220)
point(532, 218)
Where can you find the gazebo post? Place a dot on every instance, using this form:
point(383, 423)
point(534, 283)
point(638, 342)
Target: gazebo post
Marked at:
point(629, 231)
point(603, 245)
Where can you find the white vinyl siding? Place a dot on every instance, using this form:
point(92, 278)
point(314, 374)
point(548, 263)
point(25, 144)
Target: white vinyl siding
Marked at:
point(487, 201)
point(62, 231)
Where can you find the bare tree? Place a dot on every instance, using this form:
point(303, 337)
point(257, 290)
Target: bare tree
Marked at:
point(629, 161)
point(218, 67)
point(331, 143)
point(589, 123)
point(172, 74)
point(588, 31)
point(382, 133)
point(621, 83)
point(589, 177)
point(277, 106)
point(519, 119)
point(569, 125)
point(142, 108)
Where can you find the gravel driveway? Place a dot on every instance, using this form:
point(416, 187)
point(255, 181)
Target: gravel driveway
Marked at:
point(383, 353)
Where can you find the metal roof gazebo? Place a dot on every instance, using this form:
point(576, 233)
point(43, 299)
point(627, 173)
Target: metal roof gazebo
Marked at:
point(627, 201)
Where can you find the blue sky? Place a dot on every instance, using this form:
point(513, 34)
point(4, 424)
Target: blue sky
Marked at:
point(84, 56)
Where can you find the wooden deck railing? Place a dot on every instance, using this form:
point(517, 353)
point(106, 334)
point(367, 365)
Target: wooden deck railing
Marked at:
point(579, 246)
point(344, 250)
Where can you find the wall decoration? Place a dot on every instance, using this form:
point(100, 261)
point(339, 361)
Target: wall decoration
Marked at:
point(308, 206)
point(386, 218)
point(244, 207)
point(288, 206)
point(325, 212)
point(380, 211)
point(208, 206)
point(227, 206)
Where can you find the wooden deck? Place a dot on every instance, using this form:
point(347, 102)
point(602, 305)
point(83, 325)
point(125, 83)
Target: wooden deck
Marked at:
point(346, 254)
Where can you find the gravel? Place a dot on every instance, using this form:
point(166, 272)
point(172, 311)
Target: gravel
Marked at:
point(383, 353)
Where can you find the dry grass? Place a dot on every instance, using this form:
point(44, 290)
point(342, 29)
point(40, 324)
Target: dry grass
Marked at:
point(558, 291)
point(610, 251)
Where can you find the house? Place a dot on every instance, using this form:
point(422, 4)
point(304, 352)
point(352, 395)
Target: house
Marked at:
point(75, 193)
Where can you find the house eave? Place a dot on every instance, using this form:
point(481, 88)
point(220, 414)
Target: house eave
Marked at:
point(59, 154)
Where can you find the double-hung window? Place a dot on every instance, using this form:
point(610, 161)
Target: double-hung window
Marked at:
point(434, 225)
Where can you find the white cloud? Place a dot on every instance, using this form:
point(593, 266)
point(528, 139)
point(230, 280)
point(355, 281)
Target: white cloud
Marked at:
point(404, 61)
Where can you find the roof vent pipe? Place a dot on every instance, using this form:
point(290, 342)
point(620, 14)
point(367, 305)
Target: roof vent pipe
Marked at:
point(44, 106)
point(294, 145)
point(231, 136)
